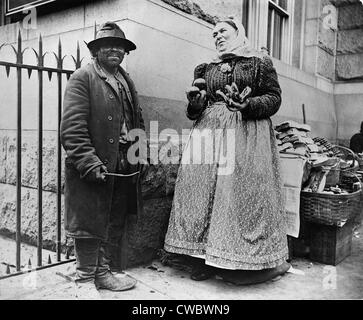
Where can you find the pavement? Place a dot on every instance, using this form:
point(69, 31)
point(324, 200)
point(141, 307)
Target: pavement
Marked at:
point(305, 280)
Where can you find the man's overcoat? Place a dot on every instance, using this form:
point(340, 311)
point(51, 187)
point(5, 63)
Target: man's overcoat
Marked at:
point(90, 131)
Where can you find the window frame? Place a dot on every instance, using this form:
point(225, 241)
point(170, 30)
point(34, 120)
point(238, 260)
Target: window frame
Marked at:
point(284, 16)
point(258, 26)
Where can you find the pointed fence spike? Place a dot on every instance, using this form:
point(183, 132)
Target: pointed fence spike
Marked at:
point(49, 259)
point(41, 55)
point(50, 73)
point(7, 70)
point(19, 38)
point(7, 269)
point(59, 56)
point(29, 72)
point(78, 59)
point(19, 55)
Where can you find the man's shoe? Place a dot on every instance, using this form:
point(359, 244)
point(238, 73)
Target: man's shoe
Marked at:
point(110, 282)
point(87, 291)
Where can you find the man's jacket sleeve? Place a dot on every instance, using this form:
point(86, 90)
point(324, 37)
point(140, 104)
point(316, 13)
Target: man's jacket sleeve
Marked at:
point(74, 133)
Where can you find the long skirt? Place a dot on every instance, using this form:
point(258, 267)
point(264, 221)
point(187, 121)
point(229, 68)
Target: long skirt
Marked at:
point(228, 205)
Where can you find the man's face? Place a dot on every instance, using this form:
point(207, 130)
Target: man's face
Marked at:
point(110, 55)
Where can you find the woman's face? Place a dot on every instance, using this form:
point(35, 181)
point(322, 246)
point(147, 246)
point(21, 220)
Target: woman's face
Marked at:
point(223, 34)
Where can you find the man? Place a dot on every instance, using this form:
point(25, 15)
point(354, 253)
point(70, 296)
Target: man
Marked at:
point(101, 107)
point(356, 142)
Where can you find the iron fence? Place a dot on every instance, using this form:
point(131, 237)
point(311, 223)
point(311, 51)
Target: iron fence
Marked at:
point(40, 69)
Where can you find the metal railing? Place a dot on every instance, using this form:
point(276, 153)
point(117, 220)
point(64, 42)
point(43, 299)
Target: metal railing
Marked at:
point(40, 69)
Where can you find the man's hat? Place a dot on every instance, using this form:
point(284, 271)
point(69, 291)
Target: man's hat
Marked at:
point(110, 31)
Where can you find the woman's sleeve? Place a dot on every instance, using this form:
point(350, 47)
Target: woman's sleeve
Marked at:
point(199, 72)
point(267, 99)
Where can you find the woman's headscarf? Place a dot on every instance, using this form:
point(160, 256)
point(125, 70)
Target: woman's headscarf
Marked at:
point(238, 47)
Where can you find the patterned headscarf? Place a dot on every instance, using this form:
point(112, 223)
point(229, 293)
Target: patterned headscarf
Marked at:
point(238, 47)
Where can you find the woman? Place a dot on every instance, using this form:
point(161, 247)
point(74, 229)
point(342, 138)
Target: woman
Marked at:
point(233, 220)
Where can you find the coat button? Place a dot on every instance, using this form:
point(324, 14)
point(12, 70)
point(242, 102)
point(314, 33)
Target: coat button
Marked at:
point(110, 140)
point(109, 118)
point(111, 96)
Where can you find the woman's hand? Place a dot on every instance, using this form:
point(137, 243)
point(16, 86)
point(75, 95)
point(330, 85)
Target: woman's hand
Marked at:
point(235, 100)
point(197, 94)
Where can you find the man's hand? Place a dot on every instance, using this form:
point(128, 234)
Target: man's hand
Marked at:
point(235, 100)
point(97, 174)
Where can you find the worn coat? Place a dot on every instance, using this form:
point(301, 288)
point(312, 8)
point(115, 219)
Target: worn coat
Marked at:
point(90, 131)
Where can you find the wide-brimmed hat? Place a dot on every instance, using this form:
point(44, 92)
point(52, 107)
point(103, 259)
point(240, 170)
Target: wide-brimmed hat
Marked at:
point(110, 31)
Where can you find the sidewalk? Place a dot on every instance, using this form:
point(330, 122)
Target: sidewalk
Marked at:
point(309, 280)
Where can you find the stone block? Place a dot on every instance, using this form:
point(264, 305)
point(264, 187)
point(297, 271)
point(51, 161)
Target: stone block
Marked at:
point(326, 39)
point(311, 32)
point(49, 24)
point(106, 10)
point(158, 182)
point(325, 64)
point(161, 177)
point(194, 8)
point(220, 8)
point(154, 184)
point(350, 17)
point(349, 67)
point(145, 235)
point(312, 9)
point(9, 32)
point(350, 41)
point(30, 159)
point(310, 59)
point(29, 220)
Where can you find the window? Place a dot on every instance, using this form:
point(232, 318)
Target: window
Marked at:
point(269, 25)
point(277, 20)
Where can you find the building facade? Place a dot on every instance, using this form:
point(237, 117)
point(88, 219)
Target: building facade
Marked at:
point(316, 46)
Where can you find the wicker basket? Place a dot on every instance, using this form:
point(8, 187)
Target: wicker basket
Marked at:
point(347, 155)
point(329, 209)
point(360, 162)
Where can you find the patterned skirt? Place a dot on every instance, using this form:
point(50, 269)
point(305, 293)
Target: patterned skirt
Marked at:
point(228, 205)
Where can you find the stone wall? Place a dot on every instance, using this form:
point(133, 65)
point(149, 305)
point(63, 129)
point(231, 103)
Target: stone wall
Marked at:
point(320, 44)
point(349, 64)
point(144, 235)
